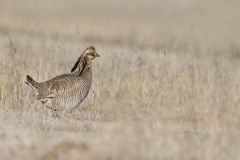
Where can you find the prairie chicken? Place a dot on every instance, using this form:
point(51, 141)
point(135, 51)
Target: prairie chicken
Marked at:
point(65, 92)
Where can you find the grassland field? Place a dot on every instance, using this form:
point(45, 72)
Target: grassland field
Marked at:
point(166, 87)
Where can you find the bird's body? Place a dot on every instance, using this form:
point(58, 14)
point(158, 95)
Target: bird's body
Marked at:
point(66, 91)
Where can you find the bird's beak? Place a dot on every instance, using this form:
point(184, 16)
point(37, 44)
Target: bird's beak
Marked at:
point(97, 55)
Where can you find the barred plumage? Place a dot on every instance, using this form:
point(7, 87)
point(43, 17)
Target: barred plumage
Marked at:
point(67, 91)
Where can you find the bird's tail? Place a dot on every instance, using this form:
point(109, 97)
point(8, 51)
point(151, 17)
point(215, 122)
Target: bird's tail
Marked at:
point(29, 81)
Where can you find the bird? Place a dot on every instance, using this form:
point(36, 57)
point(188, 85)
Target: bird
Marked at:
point(65, 92)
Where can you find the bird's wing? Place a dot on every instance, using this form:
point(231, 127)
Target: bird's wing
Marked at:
point(58, 86)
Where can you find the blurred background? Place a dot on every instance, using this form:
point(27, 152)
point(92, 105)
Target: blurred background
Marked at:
point(165, 87)
point(107, 21)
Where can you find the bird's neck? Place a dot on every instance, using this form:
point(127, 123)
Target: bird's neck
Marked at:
point(86, 67)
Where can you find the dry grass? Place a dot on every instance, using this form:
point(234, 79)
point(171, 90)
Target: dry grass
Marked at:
point(143, 104)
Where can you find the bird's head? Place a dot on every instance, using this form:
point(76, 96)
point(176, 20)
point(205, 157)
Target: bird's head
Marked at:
point(90, 52)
